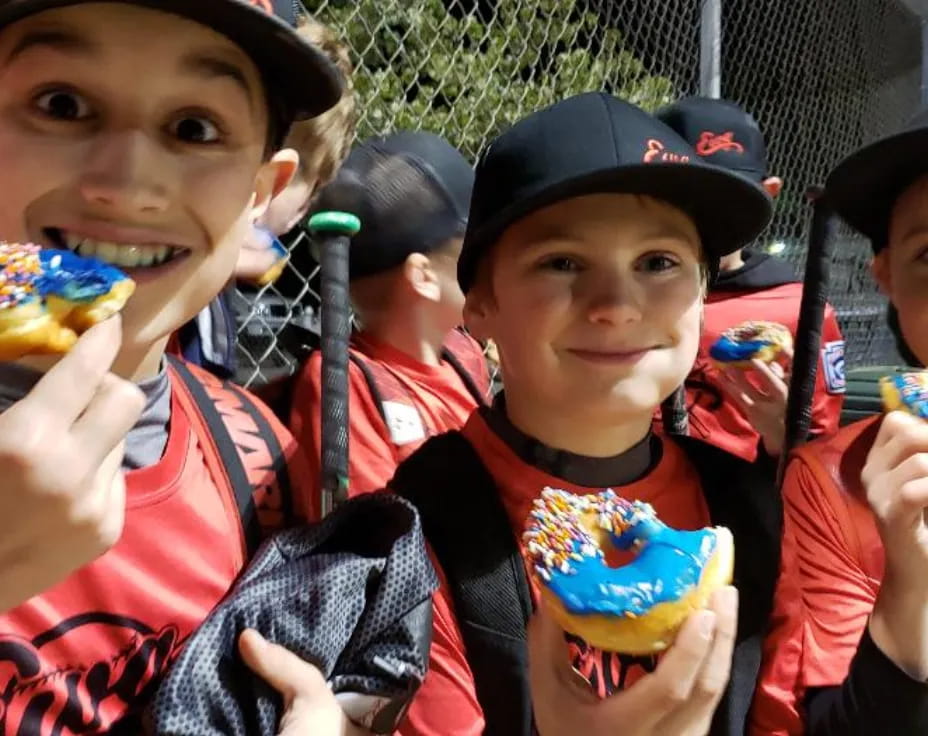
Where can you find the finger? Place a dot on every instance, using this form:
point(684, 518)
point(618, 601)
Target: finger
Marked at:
point(66, 390)
point(282, 669)
point(105, 501)
point(905, 436)
point(771, 377)
point(111, 413)
point(738, 397)
point(717, 667)
point(903, 492)
point(899, 423)
point(671, 684)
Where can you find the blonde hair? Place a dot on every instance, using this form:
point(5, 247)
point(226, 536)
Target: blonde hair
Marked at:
point(324, 141)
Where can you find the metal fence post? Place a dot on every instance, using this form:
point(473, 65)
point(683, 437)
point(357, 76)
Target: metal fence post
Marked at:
point(710, 49)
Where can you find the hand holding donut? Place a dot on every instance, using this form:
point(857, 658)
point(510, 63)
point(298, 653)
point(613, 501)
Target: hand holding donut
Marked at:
point(763, 399)
point(895, 478)
point(62, 494)
point(678, 698)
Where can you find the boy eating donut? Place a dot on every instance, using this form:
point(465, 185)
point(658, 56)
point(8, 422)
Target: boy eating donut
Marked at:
point(849, 652)
point(592, 231)
point(144, 134)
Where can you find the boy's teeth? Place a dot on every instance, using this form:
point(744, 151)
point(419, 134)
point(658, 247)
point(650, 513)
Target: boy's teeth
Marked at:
point(125, 255)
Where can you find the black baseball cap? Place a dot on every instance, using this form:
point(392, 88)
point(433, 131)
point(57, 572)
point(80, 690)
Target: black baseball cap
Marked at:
point(411, 191)
point(864, 187)
point(721, 132)
point(297, 72)
point(593, 143)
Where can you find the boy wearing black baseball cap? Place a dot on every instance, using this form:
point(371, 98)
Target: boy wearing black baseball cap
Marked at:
point(849, 652)
point(412, 373)
point(144, 133)
point(592, 230)
point(736, 410)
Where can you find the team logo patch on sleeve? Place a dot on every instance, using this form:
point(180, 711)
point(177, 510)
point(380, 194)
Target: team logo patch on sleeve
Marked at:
point(833, 363)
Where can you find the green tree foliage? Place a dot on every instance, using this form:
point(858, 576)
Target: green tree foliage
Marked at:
point(421, 66)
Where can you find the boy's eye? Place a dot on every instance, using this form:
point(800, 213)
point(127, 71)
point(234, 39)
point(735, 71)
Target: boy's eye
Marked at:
point(195, 129)
point(657, 263)
point(560, 263)
point(63, 105)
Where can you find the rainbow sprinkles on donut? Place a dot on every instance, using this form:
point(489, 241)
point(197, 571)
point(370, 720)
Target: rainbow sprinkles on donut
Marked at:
point(639, 607)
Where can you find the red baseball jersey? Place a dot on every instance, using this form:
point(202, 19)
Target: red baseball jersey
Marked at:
point(84, 656)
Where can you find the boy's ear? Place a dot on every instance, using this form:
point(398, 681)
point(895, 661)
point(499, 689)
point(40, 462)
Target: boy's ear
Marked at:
point(422, 277)
point(773, 185)
point(879, 267)
point(477, 308)
point(272, 179)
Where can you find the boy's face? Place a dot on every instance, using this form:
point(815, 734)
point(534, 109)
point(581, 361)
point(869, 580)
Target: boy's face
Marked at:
point(901, 269)
point(138, 137)
point(595, 305)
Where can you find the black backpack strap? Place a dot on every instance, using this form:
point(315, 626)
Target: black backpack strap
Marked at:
point(744, 497)
point(372, 385)
point(468, 530)
point(231, 465)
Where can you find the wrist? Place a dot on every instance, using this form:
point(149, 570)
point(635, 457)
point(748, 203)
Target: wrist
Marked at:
point(899, 625)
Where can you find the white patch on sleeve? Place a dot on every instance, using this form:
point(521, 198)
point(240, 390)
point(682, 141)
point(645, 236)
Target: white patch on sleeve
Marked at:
point(833, 363)
point(404, 423)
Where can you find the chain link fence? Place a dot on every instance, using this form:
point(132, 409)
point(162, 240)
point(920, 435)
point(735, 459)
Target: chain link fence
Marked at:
point(821, 76)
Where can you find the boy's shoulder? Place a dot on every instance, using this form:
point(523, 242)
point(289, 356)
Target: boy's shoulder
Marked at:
point(838, 459)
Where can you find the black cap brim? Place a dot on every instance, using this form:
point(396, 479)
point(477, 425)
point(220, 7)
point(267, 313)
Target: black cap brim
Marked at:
point(309, 83)
point(864, 187)
point(729, 211)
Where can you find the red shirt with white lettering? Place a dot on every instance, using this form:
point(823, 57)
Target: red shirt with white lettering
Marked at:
point(82, 657)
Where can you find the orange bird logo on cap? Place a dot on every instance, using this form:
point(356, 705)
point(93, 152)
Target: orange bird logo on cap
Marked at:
point(710, 143)
point(264, 5)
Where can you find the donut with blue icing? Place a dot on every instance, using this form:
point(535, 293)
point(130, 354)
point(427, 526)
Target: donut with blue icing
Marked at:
point(906, 392)
point(48, 297)
point(750, 341)
point(634, 609)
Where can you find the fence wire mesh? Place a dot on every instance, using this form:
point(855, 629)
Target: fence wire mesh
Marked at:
point(821, 76)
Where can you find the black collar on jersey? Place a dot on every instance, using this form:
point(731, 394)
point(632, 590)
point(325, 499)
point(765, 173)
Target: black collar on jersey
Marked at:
point(591, 472)
point(760, 271)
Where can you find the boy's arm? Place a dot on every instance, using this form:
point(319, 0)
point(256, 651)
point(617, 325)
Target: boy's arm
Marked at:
point(822, 675)
point(62, 494)
point(828, 398)
point(372, 460)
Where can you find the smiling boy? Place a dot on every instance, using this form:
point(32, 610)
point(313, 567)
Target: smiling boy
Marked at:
point(143, 133)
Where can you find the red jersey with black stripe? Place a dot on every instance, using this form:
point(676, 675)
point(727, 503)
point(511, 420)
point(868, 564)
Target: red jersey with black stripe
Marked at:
point(84, 656)
point(831, 567)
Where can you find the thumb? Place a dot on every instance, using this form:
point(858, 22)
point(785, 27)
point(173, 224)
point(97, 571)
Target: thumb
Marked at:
point(281, 669)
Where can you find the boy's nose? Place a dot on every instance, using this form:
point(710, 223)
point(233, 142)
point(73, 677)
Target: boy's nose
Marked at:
point(614, 300)
point(122, 175)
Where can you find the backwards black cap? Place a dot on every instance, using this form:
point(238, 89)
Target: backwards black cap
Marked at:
point(411, 191)
point(301, 74)
point(721, 132)
point(864, 187)
point(594, 143)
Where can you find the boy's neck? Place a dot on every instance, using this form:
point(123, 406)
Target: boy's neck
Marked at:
point(574, 432)
point(136, 365)
point(422, 342)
